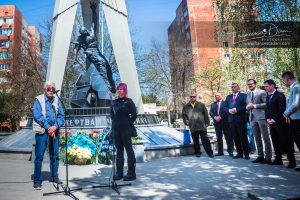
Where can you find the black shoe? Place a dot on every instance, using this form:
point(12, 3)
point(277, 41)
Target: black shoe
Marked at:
point(266, 161)
point(118, 176)
point(37, 186)
point(129, 177)
point(276, 162)
point(218, 154)
point(231, 154)
point(56, 180)
point(237, 156)
point(297, 169)
point(291, 165)
point(198, 154)
point(211, 155)
point(252, 152)
point(258, 160)
point(247, 157)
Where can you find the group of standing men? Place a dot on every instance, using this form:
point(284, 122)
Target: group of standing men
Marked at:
point(263, 108)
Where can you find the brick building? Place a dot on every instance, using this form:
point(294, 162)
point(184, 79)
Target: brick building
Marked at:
point(192, 34)
point(199, 29)
point(16, 38)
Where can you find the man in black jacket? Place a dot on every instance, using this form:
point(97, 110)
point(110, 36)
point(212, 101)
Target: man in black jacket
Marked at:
point(195, 115)
point(219, 116)
point(281, 138)
point(235, 107)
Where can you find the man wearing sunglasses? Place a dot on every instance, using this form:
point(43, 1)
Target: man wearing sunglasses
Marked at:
point(195, 115)
point(48, 118)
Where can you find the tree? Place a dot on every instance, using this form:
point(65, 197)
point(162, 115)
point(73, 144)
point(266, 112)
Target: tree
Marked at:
point(211, 79)
point(275, 60)
point(150, 98)
point(154, 75)
point(24, 81)
point(182, 76)
point(281, 60)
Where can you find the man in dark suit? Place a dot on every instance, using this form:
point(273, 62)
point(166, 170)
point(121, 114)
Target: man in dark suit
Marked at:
point(281, 139)
point(219, 116)
point(235, 107)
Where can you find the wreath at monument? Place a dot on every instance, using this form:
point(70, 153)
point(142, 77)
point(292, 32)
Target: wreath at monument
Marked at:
point(86, 148)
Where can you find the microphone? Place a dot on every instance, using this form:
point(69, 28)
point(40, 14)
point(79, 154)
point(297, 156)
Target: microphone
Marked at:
point(56, 91)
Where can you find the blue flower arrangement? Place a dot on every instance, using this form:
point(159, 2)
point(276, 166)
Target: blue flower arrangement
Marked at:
point(97, 142)
point(84, 141)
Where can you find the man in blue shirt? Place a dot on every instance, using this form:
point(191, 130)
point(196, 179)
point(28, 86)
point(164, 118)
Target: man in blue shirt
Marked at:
point(292, 111)
point(48, 118)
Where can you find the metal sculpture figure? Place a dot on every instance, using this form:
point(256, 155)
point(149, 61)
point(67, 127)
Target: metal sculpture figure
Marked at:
point(89, 43)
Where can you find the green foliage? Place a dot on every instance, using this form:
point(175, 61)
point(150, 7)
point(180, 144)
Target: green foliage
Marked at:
point(211, 78)
point(283, 59)
point(243, 66)
point(270, 63)
point(150, 98)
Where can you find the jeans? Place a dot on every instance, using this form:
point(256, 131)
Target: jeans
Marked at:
point(41, 141)
point(252, 146)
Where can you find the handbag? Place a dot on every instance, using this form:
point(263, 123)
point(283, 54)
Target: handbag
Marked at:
point(186, 136)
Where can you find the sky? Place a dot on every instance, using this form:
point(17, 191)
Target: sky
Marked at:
point(149, 19)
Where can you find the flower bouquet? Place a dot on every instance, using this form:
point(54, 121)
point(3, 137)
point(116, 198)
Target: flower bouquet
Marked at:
point(105, 148)
point(86, 148)
point(79, 155)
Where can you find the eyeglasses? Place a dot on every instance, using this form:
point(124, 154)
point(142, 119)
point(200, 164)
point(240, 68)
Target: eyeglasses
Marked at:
point(50, 89)
point(192, 96)
point(233, 86)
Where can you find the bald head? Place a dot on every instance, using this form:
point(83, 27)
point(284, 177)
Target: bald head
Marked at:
point(218, 96)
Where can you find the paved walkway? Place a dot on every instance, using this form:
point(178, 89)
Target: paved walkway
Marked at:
point(171, 178)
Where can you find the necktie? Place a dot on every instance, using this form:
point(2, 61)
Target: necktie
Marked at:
point(219, 105)
point(270, 97)
point(251, 111)
point(233, 99)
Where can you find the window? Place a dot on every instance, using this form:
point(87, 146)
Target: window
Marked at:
point(187, 35)
point(227, 57)
point(186, 24)
point(225, 44)
point(4, 67)
point(3, 80)
point(185, 13)
point(5, 43)
point(6, 31)
point(9, 20)
point(3, 55)
point(233, 9)
point(255, 55)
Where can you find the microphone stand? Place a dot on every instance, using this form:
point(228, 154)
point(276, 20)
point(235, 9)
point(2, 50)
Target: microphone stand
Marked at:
point(112, 183)
point(66, 189)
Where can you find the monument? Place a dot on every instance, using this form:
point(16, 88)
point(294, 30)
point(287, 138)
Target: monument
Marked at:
point(115, 13)
point(91, 101)
point(92, 88)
